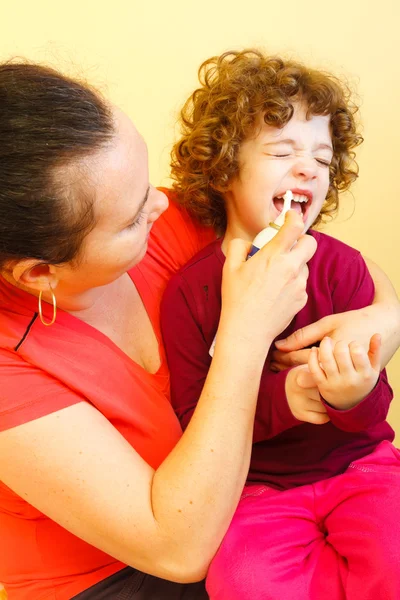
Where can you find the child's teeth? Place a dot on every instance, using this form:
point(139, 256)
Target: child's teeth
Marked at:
point(295, 197)
point(299, 198)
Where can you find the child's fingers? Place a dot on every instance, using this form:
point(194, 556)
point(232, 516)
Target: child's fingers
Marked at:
point(315, 368)
point(316, 418)
point(375, 352)
point(316, 406)
point(342, 355)
point(359, 358)
point(326, 357)
point(305, 379)
point(314, 396)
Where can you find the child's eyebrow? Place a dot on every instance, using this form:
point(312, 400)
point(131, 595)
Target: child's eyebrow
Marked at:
point(291, 142)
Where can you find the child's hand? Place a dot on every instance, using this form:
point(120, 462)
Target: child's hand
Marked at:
point(345, 373)
point(303, 397)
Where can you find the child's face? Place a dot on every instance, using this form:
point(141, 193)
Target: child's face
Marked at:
point(296, 158)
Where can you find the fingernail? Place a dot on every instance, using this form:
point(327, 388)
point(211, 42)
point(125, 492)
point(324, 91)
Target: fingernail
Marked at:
point(280, 343)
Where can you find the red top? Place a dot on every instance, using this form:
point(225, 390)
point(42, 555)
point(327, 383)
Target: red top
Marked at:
point(286, 452)
point(44, 369)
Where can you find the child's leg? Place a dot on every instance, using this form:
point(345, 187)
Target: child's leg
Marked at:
point(272, 549)
point(360, 512)
point(338, 539)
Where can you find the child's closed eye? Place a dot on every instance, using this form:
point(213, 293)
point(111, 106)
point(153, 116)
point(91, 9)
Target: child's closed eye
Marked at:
point(280, 155)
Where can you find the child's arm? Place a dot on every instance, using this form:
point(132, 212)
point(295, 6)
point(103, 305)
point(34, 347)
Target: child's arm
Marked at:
point(186, 348)
point(348, 378)
point(283, 404)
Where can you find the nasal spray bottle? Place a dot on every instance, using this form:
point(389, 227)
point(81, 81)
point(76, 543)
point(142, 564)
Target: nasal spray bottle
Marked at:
point(265, 236)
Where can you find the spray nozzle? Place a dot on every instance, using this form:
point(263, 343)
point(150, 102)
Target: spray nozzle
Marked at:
point(287, 202)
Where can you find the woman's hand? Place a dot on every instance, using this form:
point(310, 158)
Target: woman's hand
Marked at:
point(260, 296)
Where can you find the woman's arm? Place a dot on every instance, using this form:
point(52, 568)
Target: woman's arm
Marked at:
point(383, 317)
point(75, 467)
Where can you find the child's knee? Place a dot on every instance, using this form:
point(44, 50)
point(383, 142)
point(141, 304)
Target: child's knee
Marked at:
point(235, 572)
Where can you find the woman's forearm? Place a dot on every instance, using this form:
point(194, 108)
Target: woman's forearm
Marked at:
point(386, 309)
point(209, 484)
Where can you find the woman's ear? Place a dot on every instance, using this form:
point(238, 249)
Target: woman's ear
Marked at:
point(32, 274)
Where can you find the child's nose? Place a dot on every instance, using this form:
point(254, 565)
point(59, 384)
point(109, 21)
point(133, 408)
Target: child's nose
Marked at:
point(305, 167)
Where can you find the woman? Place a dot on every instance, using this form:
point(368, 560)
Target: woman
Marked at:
point(98, 484)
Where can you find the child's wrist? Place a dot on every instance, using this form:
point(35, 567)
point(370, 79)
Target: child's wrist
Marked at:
point(343, 405)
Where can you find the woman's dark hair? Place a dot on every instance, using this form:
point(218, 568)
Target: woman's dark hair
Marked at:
point(48, 123)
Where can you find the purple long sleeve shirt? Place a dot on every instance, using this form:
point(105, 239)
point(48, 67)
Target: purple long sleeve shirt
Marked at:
point(286, 452)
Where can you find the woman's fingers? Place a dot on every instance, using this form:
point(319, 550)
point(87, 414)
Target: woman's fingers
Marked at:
point(289, 233)
point(290, 238)
point(306, 336)
point(237, 253)
point(264, 293)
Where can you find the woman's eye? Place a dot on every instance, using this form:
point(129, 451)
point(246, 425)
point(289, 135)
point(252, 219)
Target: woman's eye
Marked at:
point(138, 221)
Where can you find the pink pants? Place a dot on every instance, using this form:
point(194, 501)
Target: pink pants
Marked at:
point(338, 539)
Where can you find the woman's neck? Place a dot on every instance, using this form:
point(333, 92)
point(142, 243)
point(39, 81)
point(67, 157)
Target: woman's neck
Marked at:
point(77, 302)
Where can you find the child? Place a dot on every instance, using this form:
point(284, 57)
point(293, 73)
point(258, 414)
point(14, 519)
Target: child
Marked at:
point(319, 517)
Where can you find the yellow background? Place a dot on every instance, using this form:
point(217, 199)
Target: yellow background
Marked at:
point(145, 54)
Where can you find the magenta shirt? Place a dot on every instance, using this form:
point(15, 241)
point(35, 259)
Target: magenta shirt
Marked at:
point(286, 452)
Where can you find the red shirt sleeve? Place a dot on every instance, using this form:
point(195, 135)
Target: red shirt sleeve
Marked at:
point(273, 415)
point(29, 393)
point(369, 412)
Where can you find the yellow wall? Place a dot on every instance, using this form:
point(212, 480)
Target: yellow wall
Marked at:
point(146, 54)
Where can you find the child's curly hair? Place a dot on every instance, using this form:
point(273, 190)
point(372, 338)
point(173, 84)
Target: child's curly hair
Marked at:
point(236, 88)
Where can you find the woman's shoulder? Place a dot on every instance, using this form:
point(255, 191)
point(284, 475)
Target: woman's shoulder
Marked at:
point(28, 392)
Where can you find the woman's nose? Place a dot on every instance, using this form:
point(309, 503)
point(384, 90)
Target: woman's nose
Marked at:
point(158, 204)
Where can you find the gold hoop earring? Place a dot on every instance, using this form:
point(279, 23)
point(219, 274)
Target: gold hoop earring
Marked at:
point(54, 308)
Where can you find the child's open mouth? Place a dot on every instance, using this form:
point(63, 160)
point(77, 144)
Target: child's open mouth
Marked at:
point(300, 203)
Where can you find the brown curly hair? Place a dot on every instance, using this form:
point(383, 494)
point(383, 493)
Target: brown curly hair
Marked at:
point(236, 88)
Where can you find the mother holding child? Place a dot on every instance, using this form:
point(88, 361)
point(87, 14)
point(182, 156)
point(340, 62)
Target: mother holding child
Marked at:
point(101, 495)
